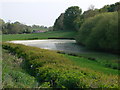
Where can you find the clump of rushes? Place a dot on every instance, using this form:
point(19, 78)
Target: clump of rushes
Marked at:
point(54, 70)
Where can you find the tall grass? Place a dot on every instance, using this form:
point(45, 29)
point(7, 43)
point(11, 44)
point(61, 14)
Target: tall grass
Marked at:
point(13, 76)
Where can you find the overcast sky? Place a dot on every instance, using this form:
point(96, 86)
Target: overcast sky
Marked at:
point(42, 12)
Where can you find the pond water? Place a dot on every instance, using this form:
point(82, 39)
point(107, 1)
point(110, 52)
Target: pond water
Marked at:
point(69, 46)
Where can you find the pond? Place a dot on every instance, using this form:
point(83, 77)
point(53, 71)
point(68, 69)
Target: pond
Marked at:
point(69, 46)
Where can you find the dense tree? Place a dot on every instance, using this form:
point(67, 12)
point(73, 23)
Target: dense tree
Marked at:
point(114, 7)
point(1, 25)
point(38, 27)
point(107, 8)
point(86, 29)
point(90, 13)
point(19, 28)
point(70, 16)
point(50, 28)
point(78, 22)
point(100, 32)
point(58, 25)
point(110, 8)
point(7, 28)
point(15, 28)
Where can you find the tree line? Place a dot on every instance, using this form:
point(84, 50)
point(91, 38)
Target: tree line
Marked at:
point(97, 28)
point(19, 28)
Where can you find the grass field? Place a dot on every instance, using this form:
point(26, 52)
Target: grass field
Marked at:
point(105, 59)
point(85, 63)
point(45, 35)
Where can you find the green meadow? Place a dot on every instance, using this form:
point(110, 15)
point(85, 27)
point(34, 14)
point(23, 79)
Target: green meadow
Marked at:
point(96, 66)
point(45, 35)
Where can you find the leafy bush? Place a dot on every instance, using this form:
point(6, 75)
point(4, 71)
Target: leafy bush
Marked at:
point(54, 70)
point(86, 29)
point(13, 76)
point(100, 32)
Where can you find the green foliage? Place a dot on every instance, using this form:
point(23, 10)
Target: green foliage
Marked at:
point(1, 24)
point(13, 76)
point(15, 28)
point(112, 7)
point(78, 22)
point(19, 28)
point(58, 25)
point(107, 8)
point(90, 13)
point(35, 28)
point(55, 70)
point(70, 16)
point(72, 19)
point(86, 29)
point(100, 32)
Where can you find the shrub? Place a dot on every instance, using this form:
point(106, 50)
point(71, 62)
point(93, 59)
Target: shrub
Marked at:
point(54, 70)
point(100, 32)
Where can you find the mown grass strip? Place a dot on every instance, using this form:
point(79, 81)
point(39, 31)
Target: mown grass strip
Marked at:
point(103, 59)
point(46, 35)
point(55, 70)
point(85, 63)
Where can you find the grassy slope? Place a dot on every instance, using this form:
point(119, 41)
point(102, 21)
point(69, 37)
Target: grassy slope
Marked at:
point(46, 35)
point(13, 75)
point(85, 63)
point(105, 59)
point(49, 65)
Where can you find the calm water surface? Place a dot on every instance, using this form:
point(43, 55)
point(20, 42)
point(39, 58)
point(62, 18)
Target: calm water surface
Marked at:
point(65, 45)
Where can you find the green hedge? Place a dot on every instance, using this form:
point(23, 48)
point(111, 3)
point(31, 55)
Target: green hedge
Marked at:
point(54, 70)
point(100, 32)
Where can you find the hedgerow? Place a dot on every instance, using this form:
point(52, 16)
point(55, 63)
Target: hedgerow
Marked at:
point(54, 70)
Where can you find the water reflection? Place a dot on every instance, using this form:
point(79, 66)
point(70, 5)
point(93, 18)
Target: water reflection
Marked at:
point(65, 45)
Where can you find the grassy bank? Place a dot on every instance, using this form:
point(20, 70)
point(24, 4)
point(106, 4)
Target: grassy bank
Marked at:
point(46, 35)
point(55, 70)
point(13, 76)
point(107, 60)
point(91, 64)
